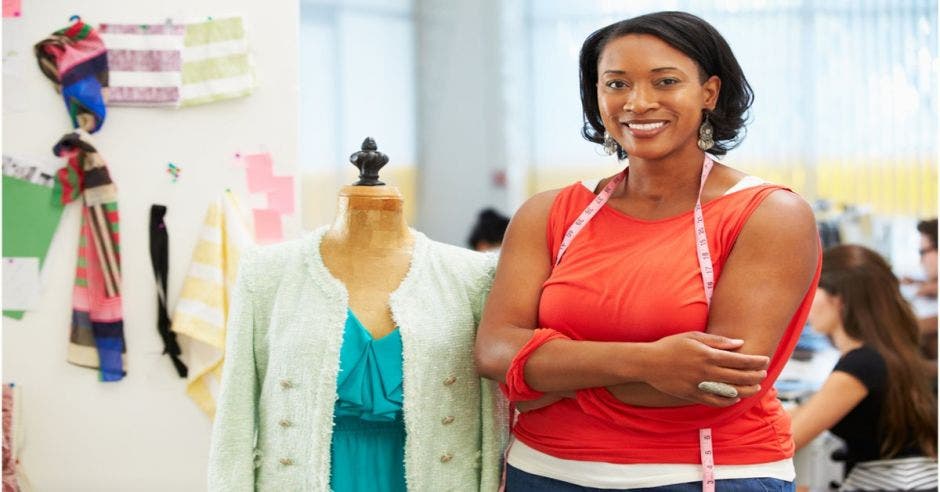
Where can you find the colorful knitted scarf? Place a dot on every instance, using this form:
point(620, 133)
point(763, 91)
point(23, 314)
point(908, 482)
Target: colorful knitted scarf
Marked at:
point(97, 335)
point(75, 59)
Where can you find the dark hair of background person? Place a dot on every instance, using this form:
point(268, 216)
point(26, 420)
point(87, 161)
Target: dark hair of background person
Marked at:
point(929, 229)
point(490, 227)
point(699, 41)
point(875, 312)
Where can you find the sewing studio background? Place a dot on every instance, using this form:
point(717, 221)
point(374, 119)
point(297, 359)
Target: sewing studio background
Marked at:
point(244, 130)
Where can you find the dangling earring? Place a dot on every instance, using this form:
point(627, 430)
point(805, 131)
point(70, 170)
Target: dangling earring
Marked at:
point(706, 134)
point(610, 145)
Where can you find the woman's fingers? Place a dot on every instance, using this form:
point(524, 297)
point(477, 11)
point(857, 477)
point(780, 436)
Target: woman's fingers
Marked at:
point(734, 377)
point(710, 399)
point(717, 401)
point(713, 350)
point(734, 360)
point(716, 341)
point(748, 391)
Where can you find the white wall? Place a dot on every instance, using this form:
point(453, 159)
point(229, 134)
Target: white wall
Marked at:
point(438, 83)
point(462, 115)
point(142, 433)
point(357, 76)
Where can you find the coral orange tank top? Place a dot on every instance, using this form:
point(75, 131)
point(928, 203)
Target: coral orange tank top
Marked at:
point(631, 280)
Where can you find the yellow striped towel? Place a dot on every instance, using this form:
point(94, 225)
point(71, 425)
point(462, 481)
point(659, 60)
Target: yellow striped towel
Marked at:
point(202, 308)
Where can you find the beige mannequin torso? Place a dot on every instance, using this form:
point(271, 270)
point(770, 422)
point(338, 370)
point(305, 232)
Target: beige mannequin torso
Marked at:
point(368, 248)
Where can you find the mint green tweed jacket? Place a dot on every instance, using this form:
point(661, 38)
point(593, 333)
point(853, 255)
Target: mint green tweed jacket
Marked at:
point(274, 420)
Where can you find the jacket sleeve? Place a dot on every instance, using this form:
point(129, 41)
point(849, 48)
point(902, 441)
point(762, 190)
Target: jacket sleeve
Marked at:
point(494, 408)
point(231, 453)
point(483, 281)
point(494, 412)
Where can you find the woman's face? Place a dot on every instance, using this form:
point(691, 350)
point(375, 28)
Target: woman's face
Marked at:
point(650, 96)
point(825, 314)
point(928, 257)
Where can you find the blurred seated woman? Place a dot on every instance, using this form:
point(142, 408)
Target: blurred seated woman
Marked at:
point(488, 231)
point(876, 399)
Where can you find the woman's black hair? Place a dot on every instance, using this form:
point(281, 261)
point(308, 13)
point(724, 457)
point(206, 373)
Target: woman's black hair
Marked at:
point(699, 41)
point(490, 227)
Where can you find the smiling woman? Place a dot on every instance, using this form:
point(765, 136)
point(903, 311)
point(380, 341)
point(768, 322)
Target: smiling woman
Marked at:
point(647, 103)
point(616, 307)
point(711, 80)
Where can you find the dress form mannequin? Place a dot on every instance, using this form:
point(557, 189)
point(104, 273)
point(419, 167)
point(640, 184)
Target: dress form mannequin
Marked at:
point(340, 340)
point(368, 247)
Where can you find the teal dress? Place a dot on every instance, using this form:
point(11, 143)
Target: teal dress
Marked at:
point(368, 448)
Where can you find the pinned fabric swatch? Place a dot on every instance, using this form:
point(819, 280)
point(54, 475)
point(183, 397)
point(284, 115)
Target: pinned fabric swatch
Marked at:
point(202, 309)
point(159, 259)
point(146, 62)
point(75, 59)
point(259, 172)
point(20, 283)
point(12, 8)
point(281, 197)
point(278, 197)
point(39, 173)
point(216, 62)
point(11, 438)
point(97, 333)
point(30, 214)
point(268, 229)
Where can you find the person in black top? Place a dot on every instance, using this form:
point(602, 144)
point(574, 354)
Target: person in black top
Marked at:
point(924, 295)
point(488, 232)
point(876, 399)
point(926, 287)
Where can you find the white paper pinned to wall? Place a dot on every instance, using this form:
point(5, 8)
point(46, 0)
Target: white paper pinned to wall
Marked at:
point(20, 283)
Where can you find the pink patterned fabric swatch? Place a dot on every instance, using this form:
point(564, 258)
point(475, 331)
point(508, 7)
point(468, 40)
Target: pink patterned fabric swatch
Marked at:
point(9, 459)
point(146, 63)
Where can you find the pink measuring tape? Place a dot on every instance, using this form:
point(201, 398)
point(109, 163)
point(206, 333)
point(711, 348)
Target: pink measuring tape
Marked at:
point(708, 281)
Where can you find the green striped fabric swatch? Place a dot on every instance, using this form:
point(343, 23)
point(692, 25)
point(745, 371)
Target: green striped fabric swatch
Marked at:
point(216, 62)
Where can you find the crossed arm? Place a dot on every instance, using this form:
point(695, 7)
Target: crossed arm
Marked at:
point(762, 283)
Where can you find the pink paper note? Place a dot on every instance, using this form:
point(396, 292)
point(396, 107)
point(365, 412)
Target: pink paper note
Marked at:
point(268, 226)
point(281, 198)
point(259, 172)
point(11, 8)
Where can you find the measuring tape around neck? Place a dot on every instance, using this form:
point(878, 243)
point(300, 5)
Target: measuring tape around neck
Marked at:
point(708, 282)
point(588, 214)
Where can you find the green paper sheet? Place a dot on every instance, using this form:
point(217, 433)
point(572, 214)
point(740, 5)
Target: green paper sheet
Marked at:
point(30, 218)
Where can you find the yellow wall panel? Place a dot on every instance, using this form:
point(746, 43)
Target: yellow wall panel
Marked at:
point(890, 187)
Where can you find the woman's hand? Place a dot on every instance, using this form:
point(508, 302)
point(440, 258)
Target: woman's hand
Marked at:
point(683, 361)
